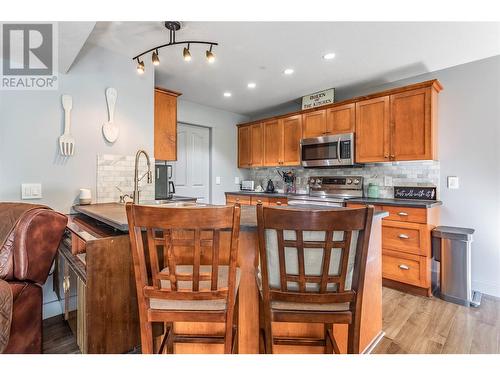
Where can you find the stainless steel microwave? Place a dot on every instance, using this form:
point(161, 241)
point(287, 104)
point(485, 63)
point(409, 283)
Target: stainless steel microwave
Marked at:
point(329, 151)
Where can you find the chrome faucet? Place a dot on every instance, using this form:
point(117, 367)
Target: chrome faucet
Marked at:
point(136, 174)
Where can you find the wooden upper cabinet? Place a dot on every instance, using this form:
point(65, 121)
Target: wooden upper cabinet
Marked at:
point(282, 141)
point(165, 125)
point(412, 133)
point(244, 147)
point(273, 143)
point(314, 124)
point(341, 119)
point(257, 145)
point(292, 133)
point(372, 130)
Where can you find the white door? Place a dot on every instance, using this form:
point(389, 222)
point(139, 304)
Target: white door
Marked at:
point(191, 170)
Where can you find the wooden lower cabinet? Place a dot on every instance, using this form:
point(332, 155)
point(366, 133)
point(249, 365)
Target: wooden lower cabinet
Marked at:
point(253, 200)
point(406, 247)
point(96, 287)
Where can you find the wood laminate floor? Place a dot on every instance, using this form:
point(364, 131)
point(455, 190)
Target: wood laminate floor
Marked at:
point(412, 324)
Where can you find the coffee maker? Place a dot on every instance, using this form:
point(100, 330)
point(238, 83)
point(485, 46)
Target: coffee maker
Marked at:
point(164, 185)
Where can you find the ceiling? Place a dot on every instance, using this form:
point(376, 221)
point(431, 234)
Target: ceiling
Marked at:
point(259, 52)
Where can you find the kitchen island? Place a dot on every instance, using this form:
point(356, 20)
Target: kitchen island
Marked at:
point(248, 295)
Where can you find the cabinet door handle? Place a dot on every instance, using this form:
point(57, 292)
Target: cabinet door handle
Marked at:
point(402, 213)
point(403, 236)
point(66, 284)
point(404, 267)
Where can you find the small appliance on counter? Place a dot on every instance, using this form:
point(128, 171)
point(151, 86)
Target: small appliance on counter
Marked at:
point(289, 180)
point(164, 185)
point(85, 196)
point(270, 186)
point(247, 185)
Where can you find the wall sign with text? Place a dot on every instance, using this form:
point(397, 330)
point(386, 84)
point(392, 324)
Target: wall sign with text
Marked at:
point(318, 99)
point(409, 192)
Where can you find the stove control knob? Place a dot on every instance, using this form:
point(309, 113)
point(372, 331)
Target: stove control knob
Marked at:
point(348, 181)
point(356, 181)
point(318, 181)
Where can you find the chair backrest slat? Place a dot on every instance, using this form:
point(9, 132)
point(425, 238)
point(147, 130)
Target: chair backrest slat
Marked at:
point(196, 260)
point(172, 264)
point(153, 256)
point(325, 267)
point(281, 257)
point(215, 260)
point(344, 261)
point(300, 255)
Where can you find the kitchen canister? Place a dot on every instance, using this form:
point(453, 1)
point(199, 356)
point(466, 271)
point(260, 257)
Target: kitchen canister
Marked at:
point(373, 190)
point(85, 196)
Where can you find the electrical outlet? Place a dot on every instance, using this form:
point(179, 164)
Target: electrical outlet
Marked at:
point(217, 180)
point(236, 180)
point(387, 181)
point(31, 191)
point(453, 182)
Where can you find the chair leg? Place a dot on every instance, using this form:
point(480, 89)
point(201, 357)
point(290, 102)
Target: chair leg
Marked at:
point(353, 337)
point(328, 341)
point(268, 335)
point(170, 337)
point(228, 338)
point(147, 338)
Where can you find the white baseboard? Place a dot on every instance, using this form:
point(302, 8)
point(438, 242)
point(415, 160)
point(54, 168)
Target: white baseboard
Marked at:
point(486, 288)
point(51, 309)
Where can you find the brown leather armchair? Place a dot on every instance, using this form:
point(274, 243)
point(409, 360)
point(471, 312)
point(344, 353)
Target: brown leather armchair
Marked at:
point(26, 256)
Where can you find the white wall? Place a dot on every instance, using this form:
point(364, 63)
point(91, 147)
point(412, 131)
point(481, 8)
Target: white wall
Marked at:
point(32, 121)
point(469, 147)
point(224, 143)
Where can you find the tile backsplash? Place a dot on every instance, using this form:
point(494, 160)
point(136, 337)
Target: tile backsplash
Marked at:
point(414, 173)
point(118, 171)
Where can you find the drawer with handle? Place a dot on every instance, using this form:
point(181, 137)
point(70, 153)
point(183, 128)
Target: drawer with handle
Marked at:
point(406, 237)
point(405, 268)
point(255, 200)
point(235, 198)
point(407, 214)
point(278, 201)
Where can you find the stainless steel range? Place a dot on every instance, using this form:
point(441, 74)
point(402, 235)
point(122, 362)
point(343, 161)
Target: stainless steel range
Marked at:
point(330, 191)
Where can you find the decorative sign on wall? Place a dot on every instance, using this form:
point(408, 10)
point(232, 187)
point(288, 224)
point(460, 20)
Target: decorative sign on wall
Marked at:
point(318, 99)
point(418, 192)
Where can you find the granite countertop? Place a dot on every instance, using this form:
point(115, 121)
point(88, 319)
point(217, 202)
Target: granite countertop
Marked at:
point(114, 215)
point(264, 194)
point(417, 203)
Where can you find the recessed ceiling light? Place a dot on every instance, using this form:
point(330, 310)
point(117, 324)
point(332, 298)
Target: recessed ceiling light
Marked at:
point(288, 71)
point(329, 56)
point(227, 94)
point(251, 85)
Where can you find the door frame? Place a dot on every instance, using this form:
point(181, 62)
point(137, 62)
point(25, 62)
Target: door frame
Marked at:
point(210, 143)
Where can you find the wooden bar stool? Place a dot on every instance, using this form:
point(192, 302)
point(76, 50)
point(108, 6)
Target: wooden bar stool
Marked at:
point(312, 270)
point(170, 288)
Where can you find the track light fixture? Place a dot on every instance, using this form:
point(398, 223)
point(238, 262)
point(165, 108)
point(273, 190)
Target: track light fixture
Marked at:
point(155, 59)
point(140, 66)
point(186, 54)
point(210, 55)
point(174, 26)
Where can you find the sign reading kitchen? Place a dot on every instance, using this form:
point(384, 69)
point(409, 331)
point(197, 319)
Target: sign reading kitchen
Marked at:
point(318, 99)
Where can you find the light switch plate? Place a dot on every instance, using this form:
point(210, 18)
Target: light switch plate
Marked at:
point(453, 182)
point(217, 180)
point(31, 191)
point(236, 180)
